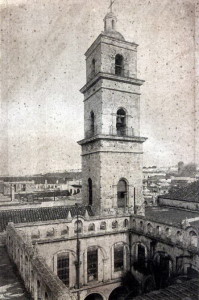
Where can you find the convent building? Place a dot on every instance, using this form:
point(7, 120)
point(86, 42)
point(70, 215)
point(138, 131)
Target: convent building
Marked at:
point(109, 248)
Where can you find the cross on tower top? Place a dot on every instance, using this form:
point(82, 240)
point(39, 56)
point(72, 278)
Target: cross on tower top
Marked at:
point(111, 5)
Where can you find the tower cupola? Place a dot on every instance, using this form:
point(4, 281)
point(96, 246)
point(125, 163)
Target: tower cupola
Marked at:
point(110, 23)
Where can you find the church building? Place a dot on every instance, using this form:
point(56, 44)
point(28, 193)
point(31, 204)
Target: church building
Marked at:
point(108, 248)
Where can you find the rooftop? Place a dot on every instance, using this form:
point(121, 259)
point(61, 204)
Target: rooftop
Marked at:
point(190, 192)
point(172, 216)
point(40, 214)
point(188, 290)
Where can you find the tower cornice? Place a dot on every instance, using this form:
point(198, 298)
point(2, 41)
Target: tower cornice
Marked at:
point(108, 76)
point(136, 139)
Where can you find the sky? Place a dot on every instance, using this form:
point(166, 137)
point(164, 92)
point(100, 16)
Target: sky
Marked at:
point(43, 69)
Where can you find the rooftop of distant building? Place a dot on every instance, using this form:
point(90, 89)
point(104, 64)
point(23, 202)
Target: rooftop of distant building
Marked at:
point(172, 216)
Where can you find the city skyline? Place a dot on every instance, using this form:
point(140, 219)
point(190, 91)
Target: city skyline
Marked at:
point(44, 69)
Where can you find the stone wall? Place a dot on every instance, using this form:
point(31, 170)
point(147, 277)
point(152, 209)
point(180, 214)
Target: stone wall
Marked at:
point(38, 278)
point(177, 242)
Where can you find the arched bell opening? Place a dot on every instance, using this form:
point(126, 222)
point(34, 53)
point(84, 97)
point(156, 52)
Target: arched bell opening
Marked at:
point(122, 193)
point(121, 122)
point(119, 65)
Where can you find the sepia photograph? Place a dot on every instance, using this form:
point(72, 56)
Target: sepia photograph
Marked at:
point(99, 150)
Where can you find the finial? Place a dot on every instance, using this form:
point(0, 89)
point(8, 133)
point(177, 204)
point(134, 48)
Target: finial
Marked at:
point(111, 5)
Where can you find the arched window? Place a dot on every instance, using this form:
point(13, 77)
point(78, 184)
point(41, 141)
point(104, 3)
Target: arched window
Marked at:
point(168, 232)
point(121, 193)
point(90, 192)
point(91, 227)
point(92, 263)
point(50, 232)
point(78, 226)
point(63, 268)
point(141, 255)
point(119, 65)
point(114, 224)
point(103, 226)
point(158, 230)
point(141, 225)
point(193, 238)
point(93, 66)
point(92, 127)
point(121, 122)
point(149, 228)
point(65, 231)
point(126, 223)
point(118, 257)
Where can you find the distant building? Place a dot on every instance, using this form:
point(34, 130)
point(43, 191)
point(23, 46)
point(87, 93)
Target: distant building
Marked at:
point(181, 181)
point(19, 187)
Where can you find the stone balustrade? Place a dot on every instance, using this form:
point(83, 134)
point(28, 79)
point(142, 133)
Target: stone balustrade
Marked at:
point(68, 229)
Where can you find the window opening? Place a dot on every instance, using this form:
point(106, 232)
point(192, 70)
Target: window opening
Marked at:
point(121, 193)
point(63, 268)
point(90, 191)
point(92, 264)
point(78, 226)
point(103, 226)
point(121, 122)
point(118, 258)
point(114, 224)
point(119, 65)
point(91, 227)
point(93, 66)
point(141, 255)
point(92, 116)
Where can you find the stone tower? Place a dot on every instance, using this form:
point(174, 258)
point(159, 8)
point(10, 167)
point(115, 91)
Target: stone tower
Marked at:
point(112, 146)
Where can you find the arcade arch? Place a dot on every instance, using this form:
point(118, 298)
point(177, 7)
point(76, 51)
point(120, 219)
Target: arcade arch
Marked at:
point(94, 296)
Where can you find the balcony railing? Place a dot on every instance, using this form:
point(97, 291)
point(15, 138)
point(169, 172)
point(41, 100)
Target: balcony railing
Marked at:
point(124, 131)
point(114, 71)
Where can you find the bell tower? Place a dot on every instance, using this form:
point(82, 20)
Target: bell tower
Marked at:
point(112, 146)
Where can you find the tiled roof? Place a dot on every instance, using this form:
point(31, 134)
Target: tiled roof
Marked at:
point(40, 214)
point(173, 216)
point(189, 192)
point(188, 290)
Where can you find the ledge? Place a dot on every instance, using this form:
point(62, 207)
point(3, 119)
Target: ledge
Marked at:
point(110, 76)
point(137, 139)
